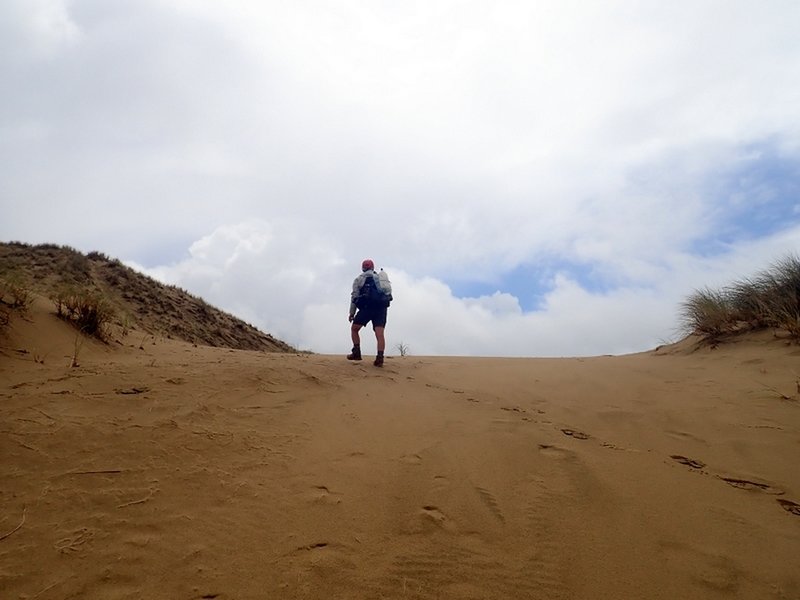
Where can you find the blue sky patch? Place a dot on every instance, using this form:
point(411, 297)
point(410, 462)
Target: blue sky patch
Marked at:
point(530, 283)
point(756, 197)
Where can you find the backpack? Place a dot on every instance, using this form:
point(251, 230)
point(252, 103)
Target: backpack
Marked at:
point(370, 295)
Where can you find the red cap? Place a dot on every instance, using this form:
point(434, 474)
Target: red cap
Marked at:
point(367, 264)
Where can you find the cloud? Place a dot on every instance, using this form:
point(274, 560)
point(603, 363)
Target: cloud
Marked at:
point(300, 292)
point(34, 30)
point(498, 157)
point(260, 271)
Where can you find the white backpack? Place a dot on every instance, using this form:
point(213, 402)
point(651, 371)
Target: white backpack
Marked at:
point(384, 284)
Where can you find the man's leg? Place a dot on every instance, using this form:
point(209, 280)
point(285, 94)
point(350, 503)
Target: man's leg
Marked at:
point(381, 339)
point(354, 328)
point(381, 346)
point(356, 353)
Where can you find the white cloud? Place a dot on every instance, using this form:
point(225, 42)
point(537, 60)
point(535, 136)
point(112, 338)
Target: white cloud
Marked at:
point(254, 151)
point(34, 30)
point(299, 292)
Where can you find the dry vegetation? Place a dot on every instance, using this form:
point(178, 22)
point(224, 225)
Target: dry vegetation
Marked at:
point(94, 292)
point(14, 297)
point(770, 299)
point(88, 310)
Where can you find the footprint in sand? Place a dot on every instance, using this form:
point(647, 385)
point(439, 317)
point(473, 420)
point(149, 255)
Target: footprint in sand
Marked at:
point(578, 435)
point(73, 542)
point(433, 514)
point(789, 506)
point(742, 484)
point(491, 503)
point(411, 459)
point(312, 547)
point(140, 389)
point(516, 409)
point(434, 520)
point(553, 451)
point(611, 446)
point(745, 484)
point(689, 462)
point(320, 494)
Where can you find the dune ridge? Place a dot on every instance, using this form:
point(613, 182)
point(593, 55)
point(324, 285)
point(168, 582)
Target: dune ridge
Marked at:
point(171, 470)
point(139, 302)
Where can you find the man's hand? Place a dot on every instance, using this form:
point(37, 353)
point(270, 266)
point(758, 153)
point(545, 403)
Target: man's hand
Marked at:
point(350, 318)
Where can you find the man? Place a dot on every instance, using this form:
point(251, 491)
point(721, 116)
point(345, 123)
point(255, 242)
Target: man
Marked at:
point(371, 307)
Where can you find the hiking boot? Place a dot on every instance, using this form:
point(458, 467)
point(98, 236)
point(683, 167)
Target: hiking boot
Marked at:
point(378, 360)
point(355, 354)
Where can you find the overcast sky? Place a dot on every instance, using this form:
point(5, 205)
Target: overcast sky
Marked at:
point(537, 178)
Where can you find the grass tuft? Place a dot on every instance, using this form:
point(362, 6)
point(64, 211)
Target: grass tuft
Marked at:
point(771, 299)
point(87, 310)
point(15, 296)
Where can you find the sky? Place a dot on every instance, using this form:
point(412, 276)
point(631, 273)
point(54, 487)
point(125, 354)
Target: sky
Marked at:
point(537, 178)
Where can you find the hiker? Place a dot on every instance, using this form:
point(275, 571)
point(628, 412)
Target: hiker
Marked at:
point(371, 295)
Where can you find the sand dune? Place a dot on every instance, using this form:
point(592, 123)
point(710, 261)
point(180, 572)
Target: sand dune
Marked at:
point(157, 469)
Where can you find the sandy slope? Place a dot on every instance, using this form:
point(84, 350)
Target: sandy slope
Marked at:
point(183, 472)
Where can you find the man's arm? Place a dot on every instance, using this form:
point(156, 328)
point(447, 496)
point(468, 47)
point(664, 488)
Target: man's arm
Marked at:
point(357, 283)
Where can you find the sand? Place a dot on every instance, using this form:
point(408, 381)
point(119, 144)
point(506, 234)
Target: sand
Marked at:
point(157, 469)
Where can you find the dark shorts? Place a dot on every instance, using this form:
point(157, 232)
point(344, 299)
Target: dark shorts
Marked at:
point(377, 315)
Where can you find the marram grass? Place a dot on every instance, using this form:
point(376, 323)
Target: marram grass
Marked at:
point(770, 299)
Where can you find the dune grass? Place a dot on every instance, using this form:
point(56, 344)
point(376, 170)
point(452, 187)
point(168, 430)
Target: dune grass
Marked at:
point(15, 296)
point(86, 309)
point(770, 299)
point(150, 305)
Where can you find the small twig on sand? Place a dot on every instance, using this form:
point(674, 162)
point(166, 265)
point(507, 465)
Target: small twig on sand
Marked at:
point(18, 527)
point(24, 445)
point(142, 501)
point(780, 395)
point(105, 472)
point(49, 587)
point(42, 413)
